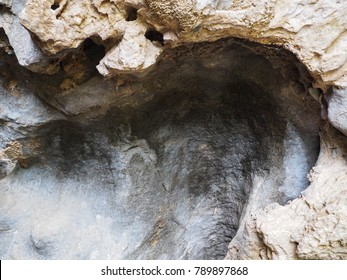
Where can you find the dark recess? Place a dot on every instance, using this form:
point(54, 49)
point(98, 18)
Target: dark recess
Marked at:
point(131, 14)
point(153, 35)
point(55, 6)
point(93, 51)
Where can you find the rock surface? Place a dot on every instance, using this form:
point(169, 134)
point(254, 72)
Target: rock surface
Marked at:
point(310, 227)
point(337, 109)
point(198, 145)
point(313, 30)
point(166, 176)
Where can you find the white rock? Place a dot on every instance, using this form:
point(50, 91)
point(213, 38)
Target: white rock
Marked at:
point(135, 53)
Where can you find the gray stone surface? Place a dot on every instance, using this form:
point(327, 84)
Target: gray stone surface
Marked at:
point(6, 167)
point(160, 167)
point(26, 50)
point(17, 6)
point(337, 109)
point(20, 108)
point(186, 145)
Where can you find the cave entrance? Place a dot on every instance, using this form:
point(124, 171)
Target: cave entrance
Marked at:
point(218, 130)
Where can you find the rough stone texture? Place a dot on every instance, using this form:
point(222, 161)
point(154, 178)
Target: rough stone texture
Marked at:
point(168, 174)
point(68, 24)
point(187, 148)
point(310, 227)
point(313, 30)
point(337, 109)
point(143, 53)
point(27, 52)
point(9, 158)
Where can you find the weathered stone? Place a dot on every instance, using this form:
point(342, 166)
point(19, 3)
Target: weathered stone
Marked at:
point(120, 59)
point(171, 164)
point(6, 167)
point(195, 143)
point(337, 109)
point(314, 30)
point(27, 52)
point(310, 227)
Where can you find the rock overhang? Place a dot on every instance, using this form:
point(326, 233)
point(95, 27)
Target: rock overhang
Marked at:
point(80, 99)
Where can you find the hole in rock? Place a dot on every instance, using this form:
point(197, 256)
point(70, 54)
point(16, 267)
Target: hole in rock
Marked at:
point(5, 46)
point(169, 171)
point(131, 14)
point(95, 52)
point(154, 36)
point(55, 6)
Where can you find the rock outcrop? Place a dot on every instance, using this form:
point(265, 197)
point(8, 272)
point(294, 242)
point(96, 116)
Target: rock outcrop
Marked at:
point(310, 227)
point(313, 30)
point(190, 129)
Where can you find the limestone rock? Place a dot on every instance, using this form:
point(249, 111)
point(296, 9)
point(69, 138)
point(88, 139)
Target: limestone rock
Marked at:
point(314, 30)
point(67, 24)
point(310, 227)
point(176, 16)
point(135, 53)
point(295, 25)
point(199, 140)
point(150, 154)
point(27, 52)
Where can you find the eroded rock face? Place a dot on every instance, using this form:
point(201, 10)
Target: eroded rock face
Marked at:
point(167, 177)
point(311, 227)
point(187, 150)
point(314, 30)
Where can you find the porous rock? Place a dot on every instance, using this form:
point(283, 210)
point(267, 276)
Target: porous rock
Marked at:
point(313, 30)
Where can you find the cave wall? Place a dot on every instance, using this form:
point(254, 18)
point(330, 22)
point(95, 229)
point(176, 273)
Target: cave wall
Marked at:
point(125, 133)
